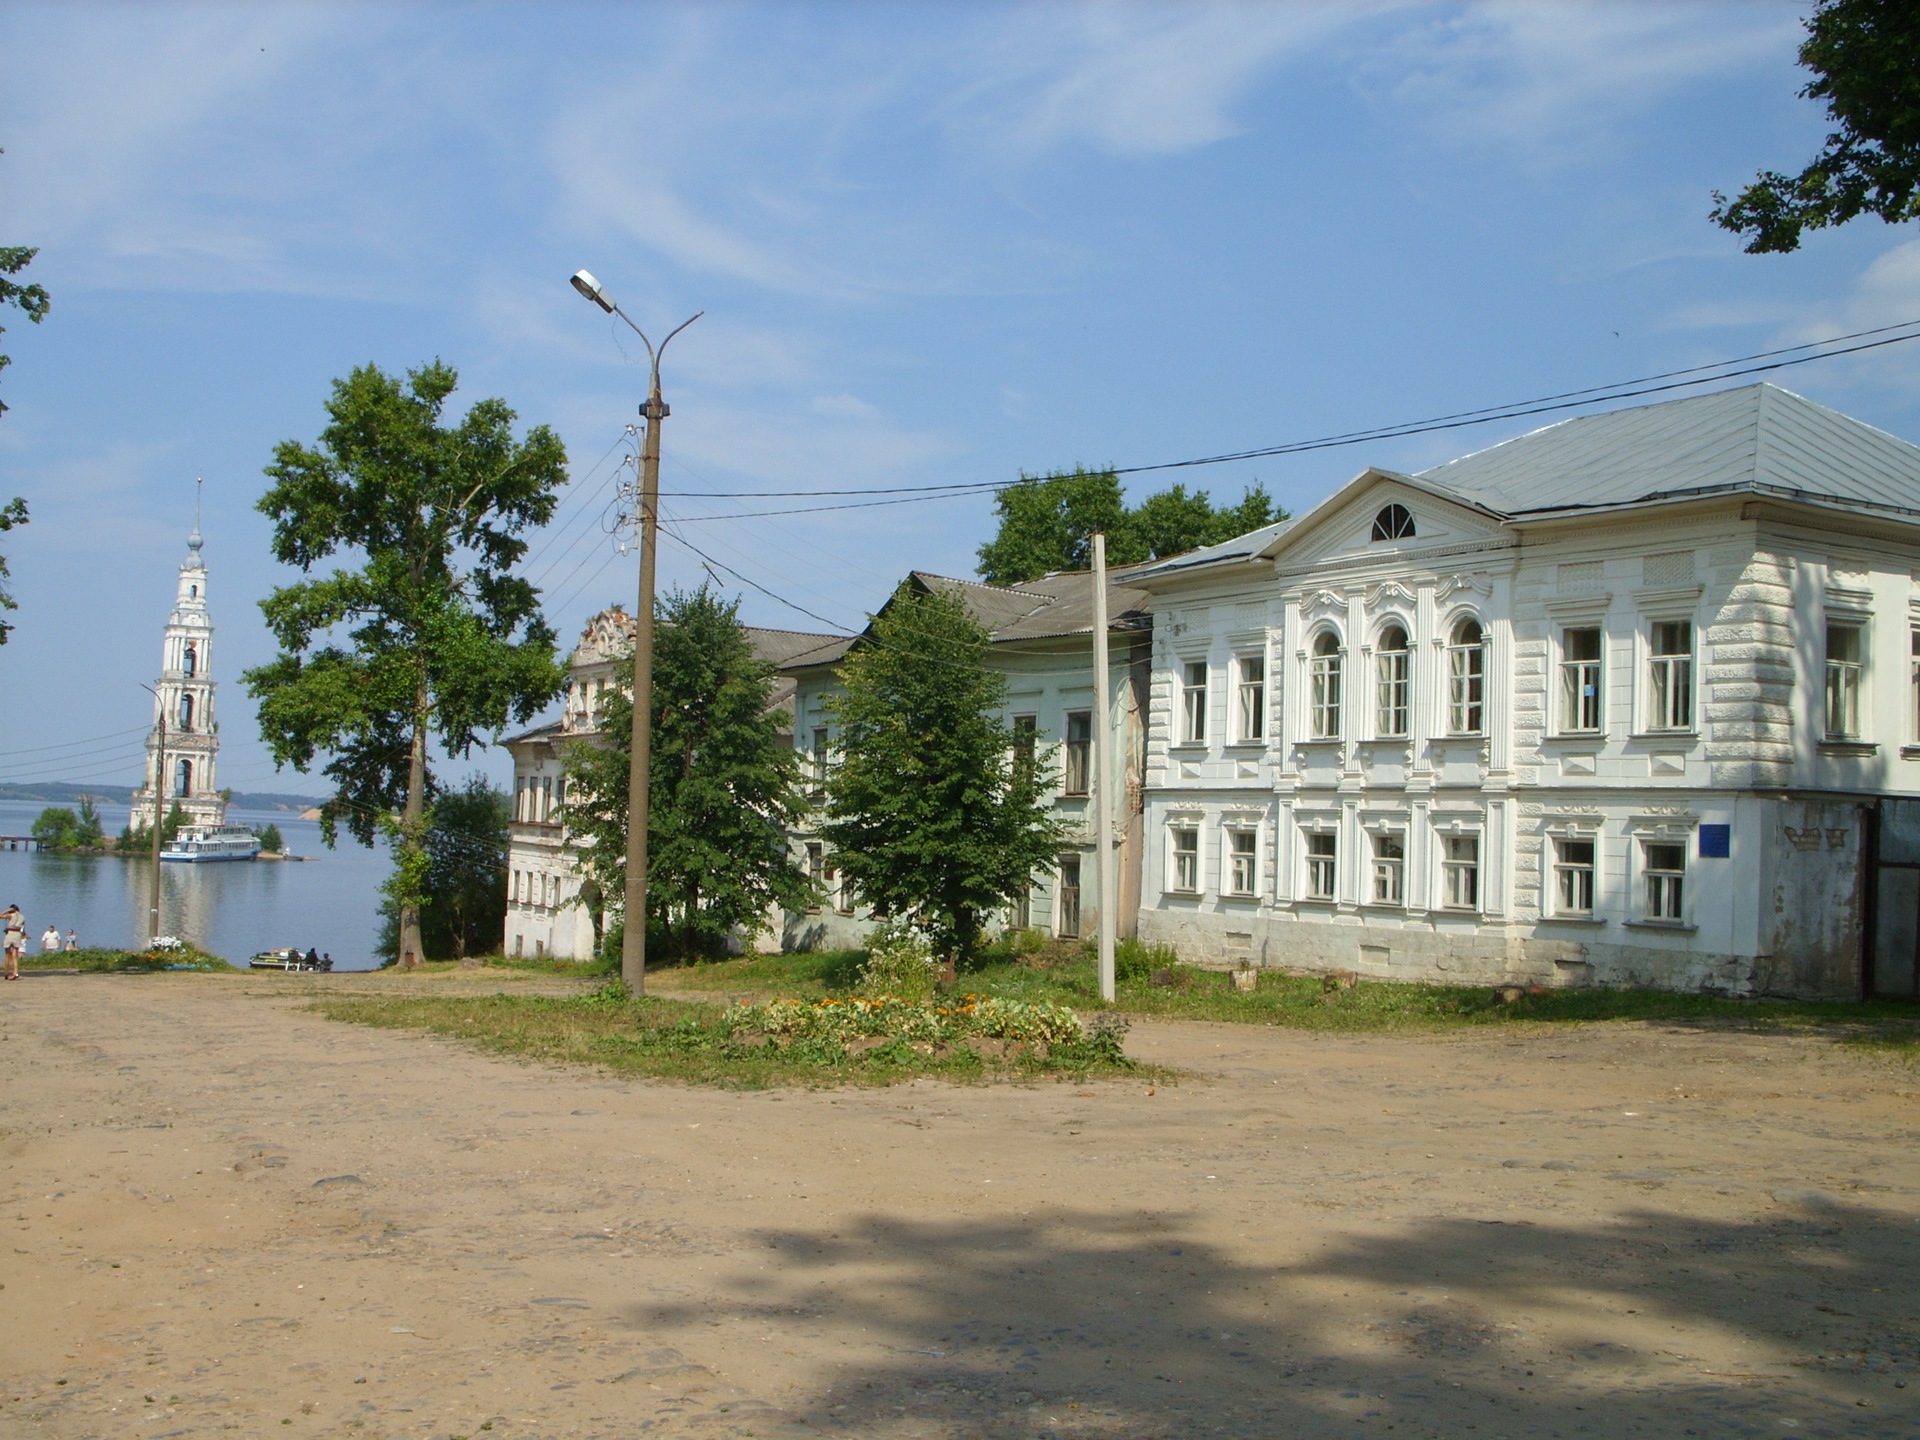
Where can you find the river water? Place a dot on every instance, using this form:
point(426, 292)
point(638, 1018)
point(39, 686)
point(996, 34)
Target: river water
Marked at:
point(328, 903)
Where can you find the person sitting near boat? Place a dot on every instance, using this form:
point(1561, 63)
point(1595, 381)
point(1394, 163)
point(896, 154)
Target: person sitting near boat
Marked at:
point(313, 959)
point(326, 961)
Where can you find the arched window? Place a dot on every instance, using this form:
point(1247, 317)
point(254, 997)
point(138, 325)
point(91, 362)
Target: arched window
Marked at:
point(1393, 676)
point(193, 592)
point(1326, 686)
point(183, 778)
point(1467, 679)
point(190, 661)
point(186, 712)
point(1394, 522)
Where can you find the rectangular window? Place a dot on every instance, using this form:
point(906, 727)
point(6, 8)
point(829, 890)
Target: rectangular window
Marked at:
point(1079, 750)
point(1069, 926)
point(817, 760)
point(1913, 698)
point(1026, 738)
point(1665, 867)
point(1243, 848)
point(1325, 669)
point(1670, 681)
point(840, 889)
point(1460, 872)
point(816, 875)
point(1185, 841)
point(1193, 702)
point(1843, 682)
point(1579, 680)
point(1393, 682)
point(1253, 699)
point(1467, 686)
point(1389, 870)
point(1020, 912)
point(1322, 853)
point(1573, 877)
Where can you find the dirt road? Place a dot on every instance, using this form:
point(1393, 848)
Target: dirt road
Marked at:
point(227, 1216)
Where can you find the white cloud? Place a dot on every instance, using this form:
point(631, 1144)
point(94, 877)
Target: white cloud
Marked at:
point(844, 407)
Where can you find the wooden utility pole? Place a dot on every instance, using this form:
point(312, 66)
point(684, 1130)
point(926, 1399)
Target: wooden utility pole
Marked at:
point(159, 786)
point(1102, 772)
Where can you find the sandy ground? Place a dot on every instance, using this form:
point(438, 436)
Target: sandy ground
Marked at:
point(228, 1216)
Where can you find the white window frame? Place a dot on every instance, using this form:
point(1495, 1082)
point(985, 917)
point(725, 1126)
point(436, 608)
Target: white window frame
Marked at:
point(1393, 684)
point(1387, 873)
point(1240, 860)
point(1583, 683)
point(1670, 677)
point(1250, 693)
point(1183, 864)
point(1325, 668)
point(817, 760)
point(1062, 890)
point(1913, 681)
point(1452, 869)
point(1078, 755)
point(1567, 873)
point(1320, 865)
point(1193, 702)
point(1664, 892)
point(1466, 679)
point(1844, 680)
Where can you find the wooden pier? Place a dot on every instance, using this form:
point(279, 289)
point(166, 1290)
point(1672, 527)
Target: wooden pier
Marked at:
point(18, 842)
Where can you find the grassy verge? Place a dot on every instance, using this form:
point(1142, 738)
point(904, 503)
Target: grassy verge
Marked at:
point(1304, 1002)
point(688, 1041)
point(125, 961)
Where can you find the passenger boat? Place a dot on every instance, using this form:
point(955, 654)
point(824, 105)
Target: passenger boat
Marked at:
point(289, 959)
point(212, 842)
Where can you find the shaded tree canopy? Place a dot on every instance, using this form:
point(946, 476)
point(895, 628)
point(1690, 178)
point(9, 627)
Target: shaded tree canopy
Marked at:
point(465, 910)
point(1865, 58)
point(723, 787)
point(1047, 523)
point(932, 814)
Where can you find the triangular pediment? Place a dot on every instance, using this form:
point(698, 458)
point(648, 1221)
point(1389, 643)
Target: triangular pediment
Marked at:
point(1381, 513)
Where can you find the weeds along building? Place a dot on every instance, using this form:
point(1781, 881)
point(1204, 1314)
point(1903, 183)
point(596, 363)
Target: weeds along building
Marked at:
point(552, 910)
point(1630, 700)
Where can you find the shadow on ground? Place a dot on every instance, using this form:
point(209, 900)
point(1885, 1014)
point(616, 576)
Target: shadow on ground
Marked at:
point(1799, 1322)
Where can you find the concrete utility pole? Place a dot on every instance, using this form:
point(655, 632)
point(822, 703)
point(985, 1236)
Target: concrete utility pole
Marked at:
point(1102, 770)
point(633, 943)
point(159, 785)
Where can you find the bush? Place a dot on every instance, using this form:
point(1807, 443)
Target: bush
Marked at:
point(899, 966)
point(1134, 960)
point(270, 840)
point(57, 828)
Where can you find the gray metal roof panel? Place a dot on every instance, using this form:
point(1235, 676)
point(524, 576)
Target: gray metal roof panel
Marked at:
point(1757, 437)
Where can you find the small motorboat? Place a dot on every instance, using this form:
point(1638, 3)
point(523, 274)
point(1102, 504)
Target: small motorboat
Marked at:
point(290, 960)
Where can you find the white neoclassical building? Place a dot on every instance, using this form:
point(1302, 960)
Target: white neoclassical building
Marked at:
point(552, 909)
point(183, 700)
point(1632, 699)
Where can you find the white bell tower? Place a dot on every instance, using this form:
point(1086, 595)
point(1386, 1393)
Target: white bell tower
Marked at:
point(184, 698)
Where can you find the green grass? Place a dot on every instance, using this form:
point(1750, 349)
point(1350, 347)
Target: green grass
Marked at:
point(125, 961)
point(1303, 1002)
point(679, 1040)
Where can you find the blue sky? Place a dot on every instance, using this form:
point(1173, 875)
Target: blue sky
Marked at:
point(934, 243)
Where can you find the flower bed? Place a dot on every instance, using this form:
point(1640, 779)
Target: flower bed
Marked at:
point(855, 1023)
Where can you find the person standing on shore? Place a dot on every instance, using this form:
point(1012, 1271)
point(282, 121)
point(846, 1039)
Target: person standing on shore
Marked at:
point(73, 942)
point(50, 941)
point(13, 930)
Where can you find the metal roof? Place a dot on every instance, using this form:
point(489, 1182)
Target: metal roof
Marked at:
point(1240, 547)
point(1757, 437)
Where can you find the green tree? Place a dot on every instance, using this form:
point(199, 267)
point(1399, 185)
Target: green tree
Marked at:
point(432, 634)
point(465, 911)
point(87, 829)
point(930, 814)
point(271, 840)
point(724, 790)
point(1047, 524)
point(57, 828)
point(137, 837)
point(32, 301)
point(1865, 59)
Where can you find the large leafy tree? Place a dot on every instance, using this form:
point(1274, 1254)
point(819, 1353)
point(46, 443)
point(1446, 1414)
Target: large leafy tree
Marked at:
point(465, 909)
point(724, 787)
point(931, 812)
point(1865, 59)
point(430, 634)
point(1047, 523)
point(32, 301)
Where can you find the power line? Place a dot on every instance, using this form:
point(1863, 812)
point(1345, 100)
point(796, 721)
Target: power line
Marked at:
point(1517, 409)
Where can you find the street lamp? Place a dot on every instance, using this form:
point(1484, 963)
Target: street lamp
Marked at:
point(633, 942)
point(159, 784)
